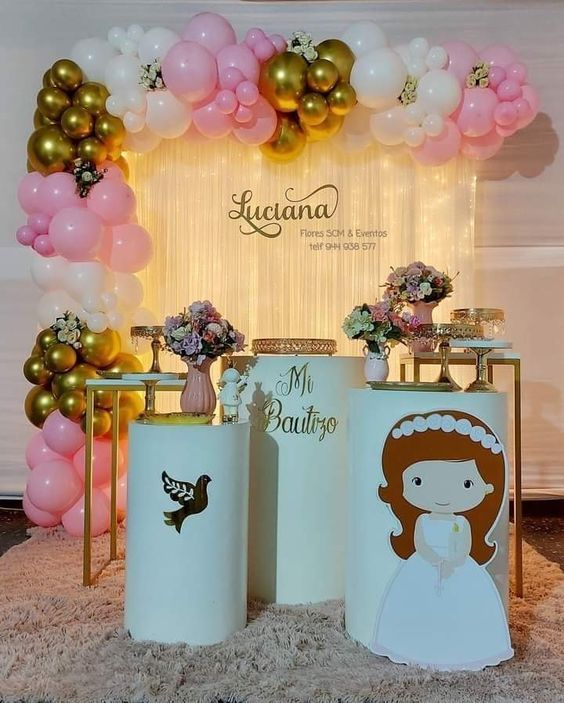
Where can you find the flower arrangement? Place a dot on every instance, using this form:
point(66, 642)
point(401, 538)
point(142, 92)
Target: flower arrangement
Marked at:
point(151, 77)
point(68, 328)
point(379, 325)
point(201, 332)
point(302, 43)
point(416, 283)
point(86, 175)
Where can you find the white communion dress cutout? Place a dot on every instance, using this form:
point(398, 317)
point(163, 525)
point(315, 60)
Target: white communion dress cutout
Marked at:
point(439, 621)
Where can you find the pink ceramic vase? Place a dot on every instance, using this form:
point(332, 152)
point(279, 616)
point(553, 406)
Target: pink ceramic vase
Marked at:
point(424, 313)
point(198, 395)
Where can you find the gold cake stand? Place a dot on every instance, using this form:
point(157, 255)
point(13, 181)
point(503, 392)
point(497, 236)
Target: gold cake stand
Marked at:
point(492, 320)
point(294, 345)
point(155, 334)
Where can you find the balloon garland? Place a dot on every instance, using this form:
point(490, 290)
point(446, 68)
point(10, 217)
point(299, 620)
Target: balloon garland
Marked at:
point(135, 88)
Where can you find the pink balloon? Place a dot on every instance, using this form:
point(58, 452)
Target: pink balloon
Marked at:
point(121, 496)
point(280, 44)
point(113, 201)
point(37, 451)
point(39, 221)
point(517, 72)
point(101, 462)
point(243, 115)
point(211, 122)
point(532, 97)
point(254, 36)
point(44, 246)
point(26, 235)
point(524, 111)
point(506, 131)
point(73, 518)
point(54, 486)
point(498, 55)
point(505, 114)
point(247, 93)
point(241, 57)
point(126, 248)
point(461, 59)
point(76, 233)
point(264, 50)
point(62, 435)
point(190, 71)
point(230, 78)
point(438, 150)
point(475, 115)
point(28, 192)
point(226, 102)
point(39, 517)
point(509, 90)
point(261, 128)
point(480, 148)
point(496, 76)
point(113, 172)
point(58, 191)
point(210, 30)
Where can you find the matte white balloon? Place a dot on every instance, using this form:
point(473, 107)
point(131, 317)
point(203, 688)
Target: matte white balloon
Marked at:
point(93, 56)
point(364, 36)
point(389, 127)
point(403, 51)
point(414, 136)
point(437, 57)
point(133, 123)
point(48, 272)
point(128, 46)
point(417, 67)
point(136, 100)
point(141, 142)
point(135, 32)
point(98, 322)
point(92, 303)
point(115, 105)
point(414, 114)
point(84, 278)
point(439, 92)
point(419, 47)
point(378, 78)
point(116, 36)
point(128, 290)
point(115, 319)
point(433, 125)
point(122, 74)
point(53, 305)
point(155, 44)
point(109, 301)
point(166, 115)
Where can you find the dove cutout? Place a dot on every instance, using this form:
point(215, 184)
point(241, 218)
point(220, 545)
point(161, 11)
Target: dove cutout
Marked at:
point(192, 497)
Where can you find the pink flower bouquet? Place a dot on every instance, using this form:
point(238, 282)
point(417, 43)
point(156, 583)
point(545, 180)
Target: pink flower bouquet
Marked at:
point(379, 325)
point(417, 283)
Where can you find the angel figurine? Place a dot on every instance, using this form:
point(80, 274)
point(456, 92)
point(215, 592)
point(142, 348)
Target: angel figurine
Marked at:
point(231, 384)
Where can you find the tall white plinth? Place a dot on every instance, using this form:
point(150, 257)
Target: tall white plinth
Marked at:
point(297, 406)
point(187, 522)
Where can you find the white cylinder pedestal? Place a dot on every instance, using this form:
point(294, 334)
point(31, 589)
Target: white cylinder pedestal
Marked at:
point(428, 517)
point(297, 406)
point(187, 522)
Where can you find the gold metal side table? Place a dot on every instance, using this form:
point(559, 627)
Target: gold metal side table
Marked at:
point(505, 358)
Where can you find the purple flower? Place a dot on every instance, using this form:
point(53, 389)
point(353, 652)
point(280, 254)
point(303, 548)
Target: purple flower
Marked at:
point(191, 345)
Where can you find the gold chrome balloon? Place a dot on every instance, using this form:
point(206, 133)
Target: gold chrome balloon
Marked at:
point(35, 371)
point(52, 102)
point(123, 166)
point(91, 149)
point(283, 80)
point(110, 130)
point(66, 75)
point(342, 99)
point(125, 363)
point(40, 120)
point(339, 53)
point(101, 422)
point(39, 403)
point(48, 80)
point(288, 142)
point(49, 150)
point(92, 97)
point(76, 122)
point(73, 380)
point(45, 338)
point(312, 109)
point(72, 405)
point(322, 75)
point(326, 129)
point(60, 358)
point(36, 351)
point(99, 348)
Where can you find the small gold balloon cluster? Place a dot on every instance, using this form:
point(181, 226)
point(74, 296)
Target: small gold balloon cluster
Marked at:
point(59, 371)
point(71, 122)
point(311, 98)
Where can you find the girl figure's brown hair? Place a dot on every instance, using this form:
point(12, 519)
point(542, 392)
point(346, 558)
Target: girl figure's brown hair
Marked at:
point(439, 445)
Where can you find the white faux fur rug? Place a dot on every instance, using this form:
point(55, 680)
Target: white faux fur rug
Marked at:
point(60, 642)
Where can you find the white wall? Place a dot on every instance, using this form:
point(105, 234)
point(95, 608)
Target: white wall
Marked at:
point(520, 203)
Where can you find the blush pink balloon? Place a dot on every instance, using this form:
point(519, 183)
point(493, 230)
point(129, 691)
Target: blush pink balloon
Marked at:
point(505, 114)
point(54, 486)
point(475, 115)
point(126, 248)
point(101, 461)
point(190, 71)
point(113, 172)
point(39, 222)
point(28, 192)
point(26, 235)
point(261, 128)
point(438, 150)
point(517, 72)
point(62, 435)
point(254, 36)
point(461, 58)
point(76, 233)
point(113, 201)
point(280, 44)
point(39, 517)
point(532, 97)
point(506, 131)
point(264, 50)
point(121, 496)
point(44, 246)
point(524, 111)
point(241, 57)
point(73, 518)
point(58, 191)
point(496, 76)
point(37, 451)
point(498, 55)
point(226, 102)
point(210, 30)
point(480, 148)
point(211, 122)
point(243, 115)
point(230, 78)
point(247, 93)
point(508, 90)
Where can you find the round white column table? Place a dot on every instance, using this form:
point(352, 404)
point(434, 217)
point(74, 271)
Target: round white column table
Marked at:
point(187, 521)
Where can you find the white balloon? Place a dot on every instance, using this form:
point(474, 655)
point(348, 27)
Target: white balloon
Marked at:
point(437, 57)
point(97, 322)
point(122, 74)
point(85, 278)
point(109, 301)
point(115, 319)
point(156, 43)
point(419, 47)
point(136, 101)
point(128, 290)
point(135, 32)
point(403, 51)
point(414, 114)
point(439, 92)
point(143, 317)
point(92, 303)
point(414, 136)
point(133, 123)
point(378, 78)
point(128, 46)
point(48, 272)
point(141, 142)
point(389, 127)
point(116, 36)
point(166, 115)
point(417, 67)
point(433, 125)
point(364, 36)
point(93, 56)
point(53, 305)
point(115, 105)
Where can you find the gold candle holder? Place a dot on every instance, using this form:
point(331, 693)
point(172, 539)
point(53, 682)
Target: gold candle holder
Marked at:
point(155, 334)
point(492, 320)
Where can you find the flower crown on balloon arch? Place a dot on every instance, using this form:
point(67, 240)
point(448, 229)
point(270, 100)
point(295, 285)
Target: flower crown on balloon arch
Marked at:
point(135, 88)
